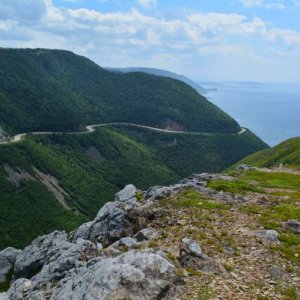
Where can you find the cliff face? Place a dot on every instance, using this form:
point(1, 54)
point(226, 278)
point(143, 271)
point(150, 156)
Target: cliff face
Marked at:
point(233, 236)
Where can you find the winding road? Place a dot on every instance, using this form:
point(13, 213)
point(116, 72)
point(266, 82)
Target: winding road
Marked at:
point(92, 128)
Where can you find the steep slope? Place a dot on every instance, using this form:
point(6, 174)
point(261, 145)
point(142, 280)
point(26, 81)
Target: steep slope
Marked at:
point(190, 153)
point(163, 73)
point(76, 174)
point(210, 236)
point(52, 90)
point(56, 182)
point(286, 153)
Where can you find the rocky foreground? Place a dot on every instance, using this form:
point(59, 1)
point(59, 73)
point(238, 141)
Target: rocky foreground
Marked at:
point(192, 240)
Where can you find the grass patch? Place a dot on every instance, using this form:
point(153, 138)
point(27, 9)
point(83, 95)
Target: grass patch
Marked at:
point(235, 187)
point(290, 293)
point(204, 293)
point(274, 180)
point(192, 198)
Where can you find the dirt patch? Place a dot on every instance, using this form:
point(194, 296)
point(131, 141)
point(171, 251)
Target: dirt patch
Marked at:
point(172, 125)
point(16, 176)
point(51, 183)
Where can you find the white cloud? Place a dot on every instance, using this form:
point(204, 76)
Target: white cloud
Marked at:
point(134, 38)
point(147, 3)
point(263, 3)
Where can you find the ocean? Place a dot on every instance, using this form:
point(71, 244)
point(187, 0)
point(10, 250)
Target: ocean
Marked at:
point(271, 111)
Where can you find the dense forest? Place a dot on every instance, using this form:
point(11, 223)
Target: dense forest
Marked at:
point(42, 90)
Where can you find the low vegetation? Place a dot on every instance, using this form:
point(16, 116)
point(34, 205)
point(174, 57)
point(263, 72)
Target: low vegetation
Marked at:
point(286, 154)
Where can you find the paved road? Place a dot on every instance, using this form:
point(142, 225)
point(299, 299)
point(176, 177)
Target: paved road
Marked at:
point(91, 128)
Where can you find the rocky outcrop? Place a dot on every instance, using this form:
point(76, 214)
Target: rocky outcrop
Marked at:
point(7, 261)
point(132, 275)
point(109, 257)
point(50, 257)
point(58, 266)
point(115, 220)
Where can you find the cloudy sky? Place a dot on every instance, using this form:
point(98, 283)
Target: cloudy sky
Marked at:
point(256, 40)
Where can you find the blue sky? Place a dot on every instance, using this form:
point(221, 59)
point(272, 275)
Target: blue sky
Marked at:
point(216, 40)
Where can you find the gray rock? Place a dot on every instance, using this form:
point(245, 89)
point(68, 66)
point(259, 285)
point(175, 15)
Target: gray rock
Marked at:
point(128, 193)
point(50, 257)
point(20, 289)
point(271, 236)
point(132, 275)
point(114, 220)
point(159, 192)
point(276, 272)
point(112, 223)
point(190, 247)
point(7, 260)
point(293, 226)
point(34, 256)
point(244, 167)
point(191, 256)
point(4, 296)
point(69, 257)
point(145, 234)
point(127, 241)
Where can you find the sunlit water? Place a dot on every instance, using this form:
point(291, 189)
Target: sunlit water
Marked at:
point(272, 111)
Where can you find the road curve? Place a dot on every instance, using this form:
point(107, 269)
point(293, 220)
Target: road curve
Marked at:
point(92, 128)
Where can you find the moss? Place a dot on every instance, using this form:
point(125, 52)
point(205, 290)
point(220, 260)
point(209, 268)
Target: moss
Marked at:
point(139, 196)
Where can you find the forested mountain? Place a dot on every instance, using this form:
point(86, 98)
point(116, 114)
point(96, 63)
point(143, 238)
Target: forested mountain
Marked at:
point(58, 90)
point(56, 181)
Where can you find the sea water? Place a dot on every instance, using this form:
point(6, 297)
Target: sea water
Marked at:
point(271, 111)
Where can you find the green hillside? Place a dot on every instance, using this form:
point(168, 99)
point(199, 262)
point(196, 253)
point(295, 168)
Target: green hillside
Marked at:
point(52, 90)
point(186, 154)
point(287, 153)
point(58, 181)
point(89, 168)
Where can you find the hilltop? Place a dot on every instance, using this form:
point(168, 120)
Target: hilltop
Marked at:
point(163, 73)
point(210, 236)
point(286, 153)
point(55, 90)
